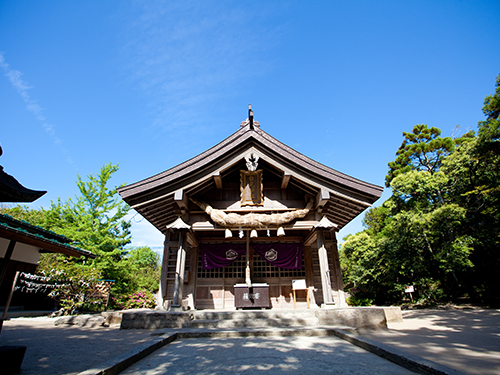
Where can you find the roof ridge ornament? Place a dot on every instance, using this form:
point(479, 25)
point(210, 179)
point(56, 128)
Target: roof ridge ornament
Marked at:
point(250, 116)
point(250, 121)
point(252, 160)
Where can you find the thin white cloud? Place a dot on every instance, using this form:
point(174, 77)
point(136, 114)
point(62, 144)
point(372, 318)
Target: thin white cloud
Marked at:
point(186, 55)
point(15, 78)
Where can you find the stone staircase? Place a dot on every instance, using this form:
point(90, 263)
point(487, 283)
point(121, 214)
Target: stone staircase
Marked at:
point(253, 319)
point(356, 317)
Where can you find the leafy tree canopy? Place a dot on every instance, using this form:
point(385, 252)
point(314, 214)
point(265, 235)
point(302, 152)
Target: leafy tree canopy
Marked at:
point(95, 220)
point(422, 149)
point(440, 230)
point(489, 129)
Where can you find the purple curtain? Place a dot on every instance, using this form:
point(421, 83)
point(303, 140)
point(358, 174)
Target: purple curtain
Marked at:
point(220, 255)
point(283, 255)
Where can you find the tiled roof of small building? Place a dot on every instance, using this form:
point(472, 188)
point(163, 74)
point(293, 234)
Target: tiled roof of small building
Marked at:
point(24, 232)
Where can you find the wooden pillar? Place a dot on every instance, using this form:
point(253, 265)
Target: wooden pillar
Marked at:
point(192, 275)
point(309, 274)
point(179, 272)
point(6, 260)
point(248, 279)
point(324, 269)
point(338, 276)
point(164, 272)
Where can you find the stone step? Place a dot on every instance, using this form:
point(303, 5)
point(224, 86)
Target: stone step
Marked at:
point(254, 332)
point(254, 314)
point(358, 317)
point(252, 323)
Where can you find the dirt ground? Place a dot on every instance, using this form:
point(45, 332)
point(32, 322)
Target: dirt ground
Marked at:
point(67, 349)
point(467, 340)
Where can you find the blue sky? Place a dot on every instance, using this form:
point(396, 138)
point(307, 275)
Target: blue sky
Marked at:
point(150, 84)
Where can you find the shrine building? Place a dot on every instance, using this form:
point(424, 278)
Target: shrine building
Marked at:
point(250, 223)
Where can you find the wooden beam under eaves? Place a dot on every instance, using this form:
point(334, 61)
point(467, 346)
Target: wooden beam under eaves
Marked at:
point(218, 180)
point(182, 200)
point(321, 198)
point(285, 180)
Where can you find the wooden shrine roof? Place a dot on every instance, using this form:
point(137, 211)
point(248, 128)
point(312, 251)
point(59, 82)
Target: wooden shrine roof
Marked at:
point(342, 197)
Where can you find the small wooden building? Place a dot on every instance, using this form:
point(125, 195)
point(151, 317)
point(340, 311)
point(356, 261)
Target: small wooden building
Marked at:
point(21, 243)
point(246, 219)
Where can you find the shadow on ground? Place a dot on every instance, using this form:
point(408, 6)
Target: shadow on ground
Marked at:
point(466, 340)
point(66, 349)
point(263, 355)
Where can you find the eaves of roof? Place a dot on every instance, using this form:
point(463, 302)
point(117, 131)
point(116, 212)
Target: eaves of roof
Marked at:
point(244, 136)
point(12, 191)
point(24, 232)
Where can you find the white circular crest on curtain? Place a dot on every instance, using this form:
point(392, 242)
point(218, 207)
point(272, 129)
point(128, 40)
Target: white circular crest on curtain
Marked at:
point(271, 255)
point(231, 254)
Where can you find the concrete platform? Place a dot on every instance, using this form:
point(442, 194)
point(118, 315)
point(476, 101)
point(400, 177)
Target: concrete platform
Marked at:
point(264, 355)
point(356, 317)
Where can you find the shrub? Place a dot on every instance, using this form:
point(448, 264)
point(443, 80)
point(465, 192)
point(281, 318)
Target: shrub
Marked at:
point(142, 299)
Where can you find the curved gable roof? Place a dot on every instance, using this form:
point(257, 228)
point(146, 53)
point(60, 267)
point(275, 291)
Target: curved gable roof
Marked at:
point(153, 197)
point(246, 136)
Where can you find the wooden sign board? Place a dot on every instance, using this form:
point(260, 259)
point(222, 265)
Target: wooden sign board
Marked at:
point(299, 284)
point(251, 188)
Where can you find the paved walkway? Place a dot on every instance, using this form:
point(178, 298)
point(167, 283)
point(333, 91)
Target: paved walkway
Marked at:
point(263, 355)
point(465, 340)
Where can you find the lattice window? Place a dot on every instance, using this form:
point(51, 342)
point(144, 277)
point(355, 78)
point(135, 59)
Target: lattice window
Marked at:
point(209, 274)
point(236, 270)
point(261, 269)
point(293, 273)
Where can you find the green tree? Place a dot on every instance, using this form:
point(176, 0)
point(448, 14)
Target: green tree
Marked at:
point(144, 265)
point(95, 221)
point(72, 281)
point(475, 171)
point(24, 213)
point(139, 271)
point(489, 129)
point(416, 237)
point(95, 218)
point(422, 149)
point(440, 230)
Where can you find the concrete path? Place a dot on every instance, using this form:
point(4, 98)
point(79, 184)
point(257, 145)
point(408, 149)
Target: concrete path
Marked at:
point(465, 340)
point(263, 355)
